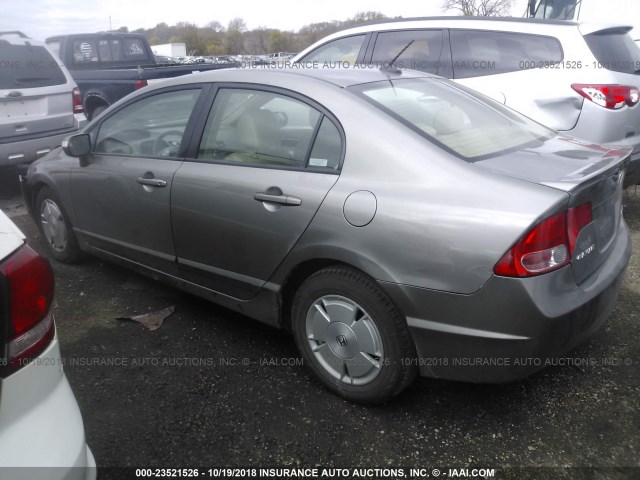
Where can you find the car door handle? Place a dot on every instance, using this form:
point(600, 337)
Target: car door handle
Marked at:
point(152, 182)
point(287, 200)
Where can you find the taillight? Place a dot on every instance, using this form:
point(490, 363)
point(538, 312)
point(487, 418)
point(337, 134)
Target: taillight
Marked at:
point(612, 97)
point(577, 218)
point(77, 101)
point(140, 84)
point(29, 283)
point(547, 246)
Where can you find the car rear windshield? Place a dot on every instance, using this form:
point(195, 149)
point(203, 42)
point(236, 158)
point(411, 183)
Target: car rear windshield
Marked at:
point(471, 126)
point(615, 50)
point(28, 66)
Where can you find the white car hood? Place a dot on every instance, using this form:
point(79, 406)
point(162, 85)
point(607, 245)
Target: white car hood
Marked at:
point(11, 238)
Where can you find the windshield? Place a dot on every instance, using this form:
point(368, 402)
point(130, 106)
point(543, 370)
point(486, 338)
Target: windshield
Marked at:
point(462, 121)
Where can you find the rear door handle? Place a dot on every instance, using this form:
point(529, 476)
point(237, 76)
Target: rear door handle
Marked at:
point(287, 200)
point(152, 182)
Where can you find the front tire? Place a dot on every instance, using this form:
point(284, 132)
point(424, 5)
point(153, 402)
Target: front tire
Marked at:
point(352, 336)
point(56, 228)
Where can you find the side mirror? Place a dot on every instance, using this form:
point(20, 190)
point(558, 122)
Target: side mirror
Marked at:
point(78, 146)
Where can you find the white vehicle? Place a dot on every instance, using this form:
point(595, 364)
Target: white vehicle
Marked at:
point(577, 78)
point(40, 422)
point(40, 104)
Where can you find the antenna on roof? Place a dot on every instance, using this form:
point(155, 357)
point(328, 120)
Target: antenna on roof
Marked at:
point(391, 67)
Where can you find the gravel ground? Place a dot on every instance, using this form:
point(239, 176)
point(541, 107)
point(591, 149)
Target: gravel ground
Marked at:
point(250, 402)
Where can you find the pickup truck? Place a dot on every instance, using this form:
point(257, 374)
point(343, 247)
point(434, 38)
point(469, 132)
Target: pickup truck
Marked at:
point(108, 66)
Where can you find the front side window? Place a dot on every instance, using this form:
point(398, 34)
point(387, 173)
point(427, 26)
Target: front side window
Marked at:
point(470, 126)
point(343, 50)
point(151, 127)
point(478, 53)
point(252, 127)
point(420, 49)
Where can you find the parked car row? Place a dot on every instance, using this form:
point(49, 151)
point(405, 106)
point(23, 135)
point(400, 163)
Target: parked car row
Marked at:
point(236, 60)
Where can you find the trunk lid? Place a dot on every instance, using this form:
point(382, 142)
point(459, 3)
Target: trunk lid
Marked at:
point(588, 173)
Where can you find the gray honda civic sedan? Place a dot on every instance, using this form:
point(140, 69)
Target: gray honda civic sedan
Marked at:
point(394, 222)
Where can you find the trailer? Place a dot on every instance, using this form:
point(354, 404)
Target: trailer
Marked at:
point(170, 50)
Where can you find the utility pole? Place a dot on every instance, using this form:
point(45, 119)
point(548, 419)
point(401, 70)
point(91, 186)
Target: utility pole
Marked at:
point(110, 27)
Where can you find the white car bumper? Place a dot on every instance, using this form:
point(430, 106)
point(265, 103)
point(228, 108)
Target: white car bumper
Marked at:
point(41, 429)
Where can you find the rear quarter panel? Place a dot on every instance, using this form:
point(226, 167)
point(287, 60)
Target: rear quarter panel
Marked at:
point(440, 222)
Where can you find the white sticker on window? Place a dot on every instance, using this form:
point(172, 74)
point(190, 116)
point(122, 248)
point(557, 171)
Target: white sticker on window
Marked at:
point(318, 162)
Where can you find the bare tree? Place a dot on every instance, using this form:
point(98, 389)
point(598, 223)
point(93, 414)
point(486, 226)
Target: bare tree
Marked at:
point(479, 8)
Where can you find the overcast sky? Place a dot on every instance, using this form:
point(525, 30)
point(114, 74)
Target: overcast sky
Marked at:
point(43, 18)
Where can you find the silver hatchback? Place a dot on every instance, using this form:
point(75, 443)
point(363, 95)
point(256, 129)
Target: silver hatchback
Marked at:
point(40, 103)
point(395, 222)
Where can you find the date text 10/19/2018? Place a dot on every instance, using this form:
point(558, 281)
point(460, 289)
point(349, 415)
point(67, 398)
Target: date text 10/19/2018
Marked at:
point(302, 473)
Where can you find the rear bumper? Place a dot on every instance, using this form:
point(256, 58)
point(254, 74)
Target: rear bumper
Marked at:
point(41, 429)
point(511, 327)
point(26, 151)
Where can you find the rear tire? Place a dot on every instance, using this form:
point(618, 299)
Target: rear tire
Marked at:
point(352, 336)
point(56, 228)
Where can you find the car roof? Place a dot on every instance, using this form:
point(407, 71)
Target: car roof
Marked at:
point(492, 23)
point(18, 38)
point(336, 75)
point(464, 18)
point(521, 25)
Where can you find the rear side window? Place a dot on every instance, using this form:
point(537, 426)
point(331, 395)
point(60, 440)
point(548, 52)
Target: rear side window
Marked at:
point(479, 53)
point(23, 66)
point(615, 50)
point(341, 50)
point(420, 49)
point(454, 117)
point(134, 49)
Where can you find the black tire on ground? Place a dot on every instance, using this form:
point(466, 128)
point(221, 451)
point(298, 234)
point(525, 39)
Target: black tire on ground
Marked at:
point(55, 227)
point(325, 314)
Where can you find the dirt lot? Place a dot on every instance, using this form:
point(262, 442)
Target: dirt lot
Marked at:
point(244, 399)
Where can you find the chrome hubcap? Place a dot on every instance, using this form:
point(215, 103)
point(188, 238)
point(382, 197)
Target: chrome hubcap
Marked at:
point(344, 340)
point(53, 226)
